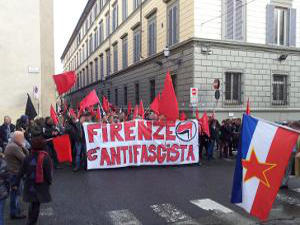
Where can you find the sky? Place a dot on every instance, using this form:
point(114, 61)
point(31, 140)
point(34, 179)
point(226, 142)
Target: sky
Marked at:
point(66, 16)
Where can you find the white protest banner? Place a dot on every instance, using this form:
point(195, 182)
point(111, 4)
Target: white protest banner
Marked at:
point(141, 142)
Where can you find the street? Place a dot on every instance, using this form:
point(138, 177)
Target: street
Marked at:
point(178, 195)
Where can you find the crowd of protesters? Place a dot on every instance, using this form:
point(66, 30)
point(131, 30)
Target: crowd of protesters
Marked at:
point(27, 152)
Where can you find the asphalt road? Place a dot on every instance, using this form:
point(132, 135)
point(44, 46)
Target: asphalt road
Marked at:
point(178, 195)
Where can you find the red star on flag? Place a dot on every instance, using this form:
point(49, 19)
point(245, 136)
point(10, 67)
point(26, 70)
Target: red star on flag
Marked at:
point(257, 169)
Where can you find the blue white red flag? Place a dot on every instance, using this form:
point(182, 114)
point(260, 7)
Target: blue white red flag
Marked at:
point(262, 158)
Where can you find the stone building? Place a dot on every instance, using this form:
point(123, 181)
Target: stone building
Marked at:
point(27, 56)
point(123, 48)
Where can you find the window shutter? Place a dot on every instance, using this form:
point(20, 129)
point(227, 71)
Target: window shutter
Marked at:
point(292, 27)
point(229, 19)
point(270, 31)
point(239, 20)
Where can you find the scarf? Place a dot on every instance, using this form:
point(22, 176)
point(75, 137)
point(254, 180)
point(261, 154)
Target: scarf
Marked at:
point(39, 173)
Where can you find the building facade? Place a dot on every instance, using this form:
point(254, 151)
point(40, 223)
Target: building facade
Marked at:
point(251, 46)
point(27, 56)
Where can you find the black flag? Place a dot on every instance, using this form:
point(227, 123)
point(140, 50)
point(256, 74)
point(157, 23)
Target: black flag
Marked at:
point(30, 110)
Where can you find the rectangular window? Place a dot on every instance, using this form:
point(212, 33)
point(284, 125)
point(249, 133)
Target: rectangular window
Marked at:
point(83, 78)
point(136, 4)
point(174, 81)
point(152, 35)
point(116, 97)
point(115, 17)
point(233, 86)
point(124, 9)
point(91, 72)
point(136, 45)
point(91, 49)
point(91, 18)
point(96, 39)
point(86, 49)
point(101, 32)
point(101, 4)
point(125, 96)
point(102, 67)
point(235, 17)
point(87, 75)
point(137, 93)
point(280, 89)
point(107, 17)
point(152, 90)
point(108, 63)
point(96, 69)
point(173, 24)
point(115, 58)
point(280, 26)
point(125, 52)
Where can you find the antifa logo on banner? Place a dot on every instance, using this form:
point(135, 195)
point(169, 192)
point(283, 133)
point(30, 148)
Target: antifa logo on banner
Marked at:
point(186, 130)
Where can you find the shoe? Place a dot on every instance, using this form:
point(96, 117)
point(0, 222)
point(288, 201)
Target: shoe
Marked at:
point(18, 217)
point(76, 169)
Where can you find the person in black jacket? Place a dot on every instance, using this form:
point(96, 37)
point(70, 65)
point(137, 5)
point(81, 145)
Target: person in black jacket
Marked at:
point(4, 186)
point(37, 174)
point(50, 132)
point(5, 131)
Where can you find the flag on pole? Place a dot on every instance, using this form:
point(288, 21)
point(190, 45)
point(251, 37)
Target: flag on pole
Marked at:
point(64, 82)
point(204, 124)
point(63, 149)
point(30, 110)
point(98, 114)
point(248, 108)
point(90, 100)
point(141, 109)
point(155, 104)
point(197, 114)
point(105, 104)
point(168, 105)
point(136, 112)
point(53, 115)
point(262, 158)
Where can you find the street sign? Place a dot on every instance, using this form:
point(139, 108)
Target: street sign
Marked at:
point(217, 94)
point(216, 84)
point(194, 96)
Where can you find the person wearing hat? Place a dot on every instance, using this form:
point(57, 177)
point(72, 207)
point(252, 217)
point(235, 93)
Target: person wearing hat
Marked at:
point(37, 173)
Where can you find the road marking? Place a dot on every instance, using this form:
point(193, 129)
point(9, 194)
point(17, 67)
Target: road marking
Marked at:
point(288, 199)
point(47, 211)
point(208, 204)
point(122, 217)
point(297, 190)
point(172, 215)
point(221, 212)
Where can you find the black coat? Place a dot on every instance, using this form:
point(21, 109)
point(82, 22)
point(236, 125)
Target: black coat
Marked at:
point(75, 132)
point(34, 192)
point(3, 134)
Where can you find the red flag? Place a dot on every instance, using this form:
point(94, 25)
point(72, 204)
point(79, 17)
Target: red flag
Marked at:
point(91, 110)
point(98, 114)
point(90, 100)
point(141, 110)
point(204, 124)
point(53, 115)
point(168, 105)
point(62, 147)
point(64, 82)
point(155, 104)
point(197, 114)
point(136, 112)
point(182, 116)
point(248, 108)
point(129, 108)
point(72, 113)
point(105, 104)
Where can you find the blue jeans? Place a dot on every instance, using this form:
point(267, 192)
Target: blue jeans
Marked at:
point(15, 199)
point(2, 204)
point(211, 147)
point(78, 150)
